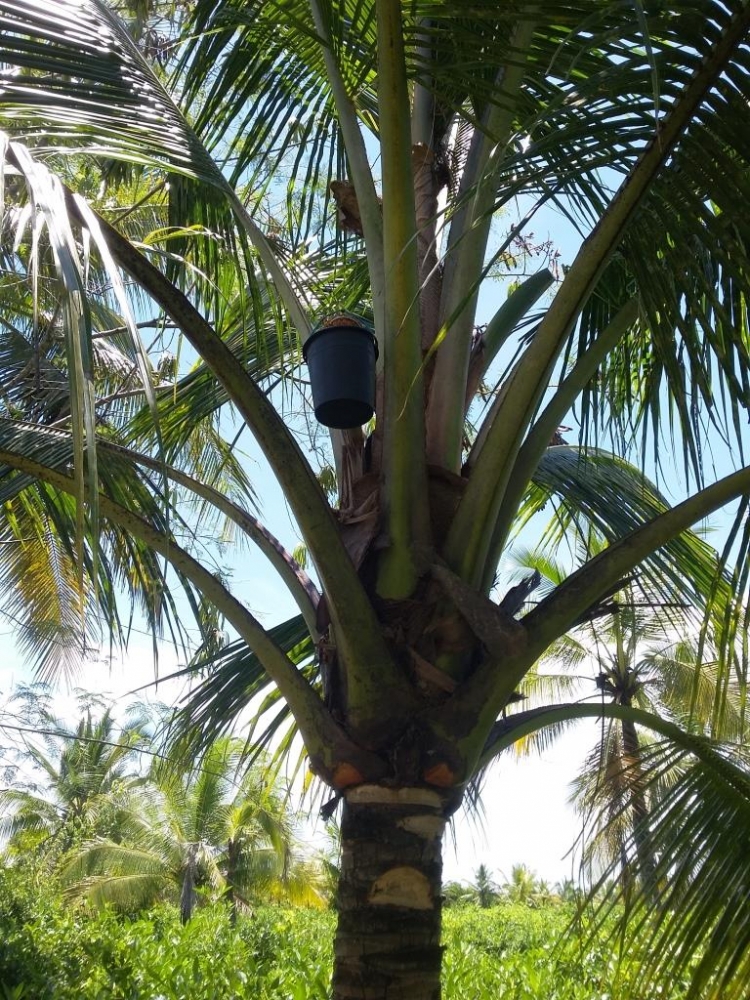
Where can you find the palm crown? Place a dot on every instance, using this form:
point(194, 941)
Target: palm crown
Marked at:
point(629, 120)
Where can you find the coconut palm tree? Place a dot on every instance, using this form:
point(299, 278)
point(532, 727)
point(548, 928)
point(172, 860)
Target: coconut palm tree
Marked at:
point(646, 653)
point(485, 888)
point(310, 160)
point(458, 894)
point(212, 830)
point(84, 771)
point(522, 886)
point(615, 791)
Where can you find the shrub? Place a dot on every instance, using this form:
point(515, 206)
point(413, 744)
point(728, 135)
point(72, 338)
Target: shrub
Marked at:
point(51, 952)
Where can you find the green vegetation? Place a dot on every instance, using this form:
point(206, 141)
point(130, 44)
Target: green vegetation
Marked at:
point(508, 950)
point(120, 821)
point(61, 954)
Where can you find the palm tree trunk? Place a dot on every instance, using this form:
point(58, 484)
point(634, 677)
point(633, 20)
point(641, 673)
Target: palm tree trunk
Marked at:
point(231, 874)
point(389, 902)
point(187, 892)
point(641, 832)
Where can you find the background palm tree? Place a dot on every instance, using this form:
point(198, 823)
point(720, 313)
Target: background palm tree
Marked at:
point(212, 830)
point(523, 886)
point(641, 650)
point(485, 888)
point(630, 120)
point(624, 777)
point(84, 772)
point(458, 894)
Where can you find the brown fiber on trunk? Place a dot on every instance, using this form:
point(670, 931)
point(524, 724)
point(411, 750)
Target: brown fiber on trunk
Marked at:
point(388, 937)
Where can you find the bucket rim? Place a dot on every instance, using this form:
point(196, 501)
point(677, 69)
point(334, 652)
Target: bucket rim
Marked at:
point(320, 330)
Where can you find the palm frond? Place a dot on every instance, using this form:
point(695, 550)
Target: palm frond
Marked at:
point(235, 680)
point(125, 565)
point(118, 102)
point(596, 490)
point(700, 930)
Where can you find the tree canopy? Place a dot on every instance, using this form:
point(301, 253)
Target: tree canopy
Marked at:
point(237, 172)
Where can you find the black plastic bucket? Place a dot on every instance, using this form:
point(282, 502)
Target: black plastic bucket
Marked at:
point(341, 361)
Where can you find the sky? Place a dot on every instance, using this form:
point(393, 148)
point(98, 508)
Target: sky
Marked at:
point(527, 817)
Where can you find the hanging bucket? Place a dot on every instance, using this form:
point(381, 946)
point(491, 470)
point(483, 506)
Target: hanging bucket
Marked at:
point(341, 360)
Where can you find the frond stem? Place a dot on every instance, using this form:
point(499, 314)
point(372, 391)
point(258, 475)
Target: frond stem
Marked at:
point(405, 472)
point(480, 698)
point(324, 739)
point(521, 724)
point(464, 258)
point(361, 175)
point(298, 583)
point(541, 433)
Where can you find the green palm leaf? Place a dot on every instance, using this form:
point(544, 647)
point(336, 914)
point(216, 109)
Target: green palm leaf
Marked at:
point(700, 930)
point(594, 490)
point(235, 680)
